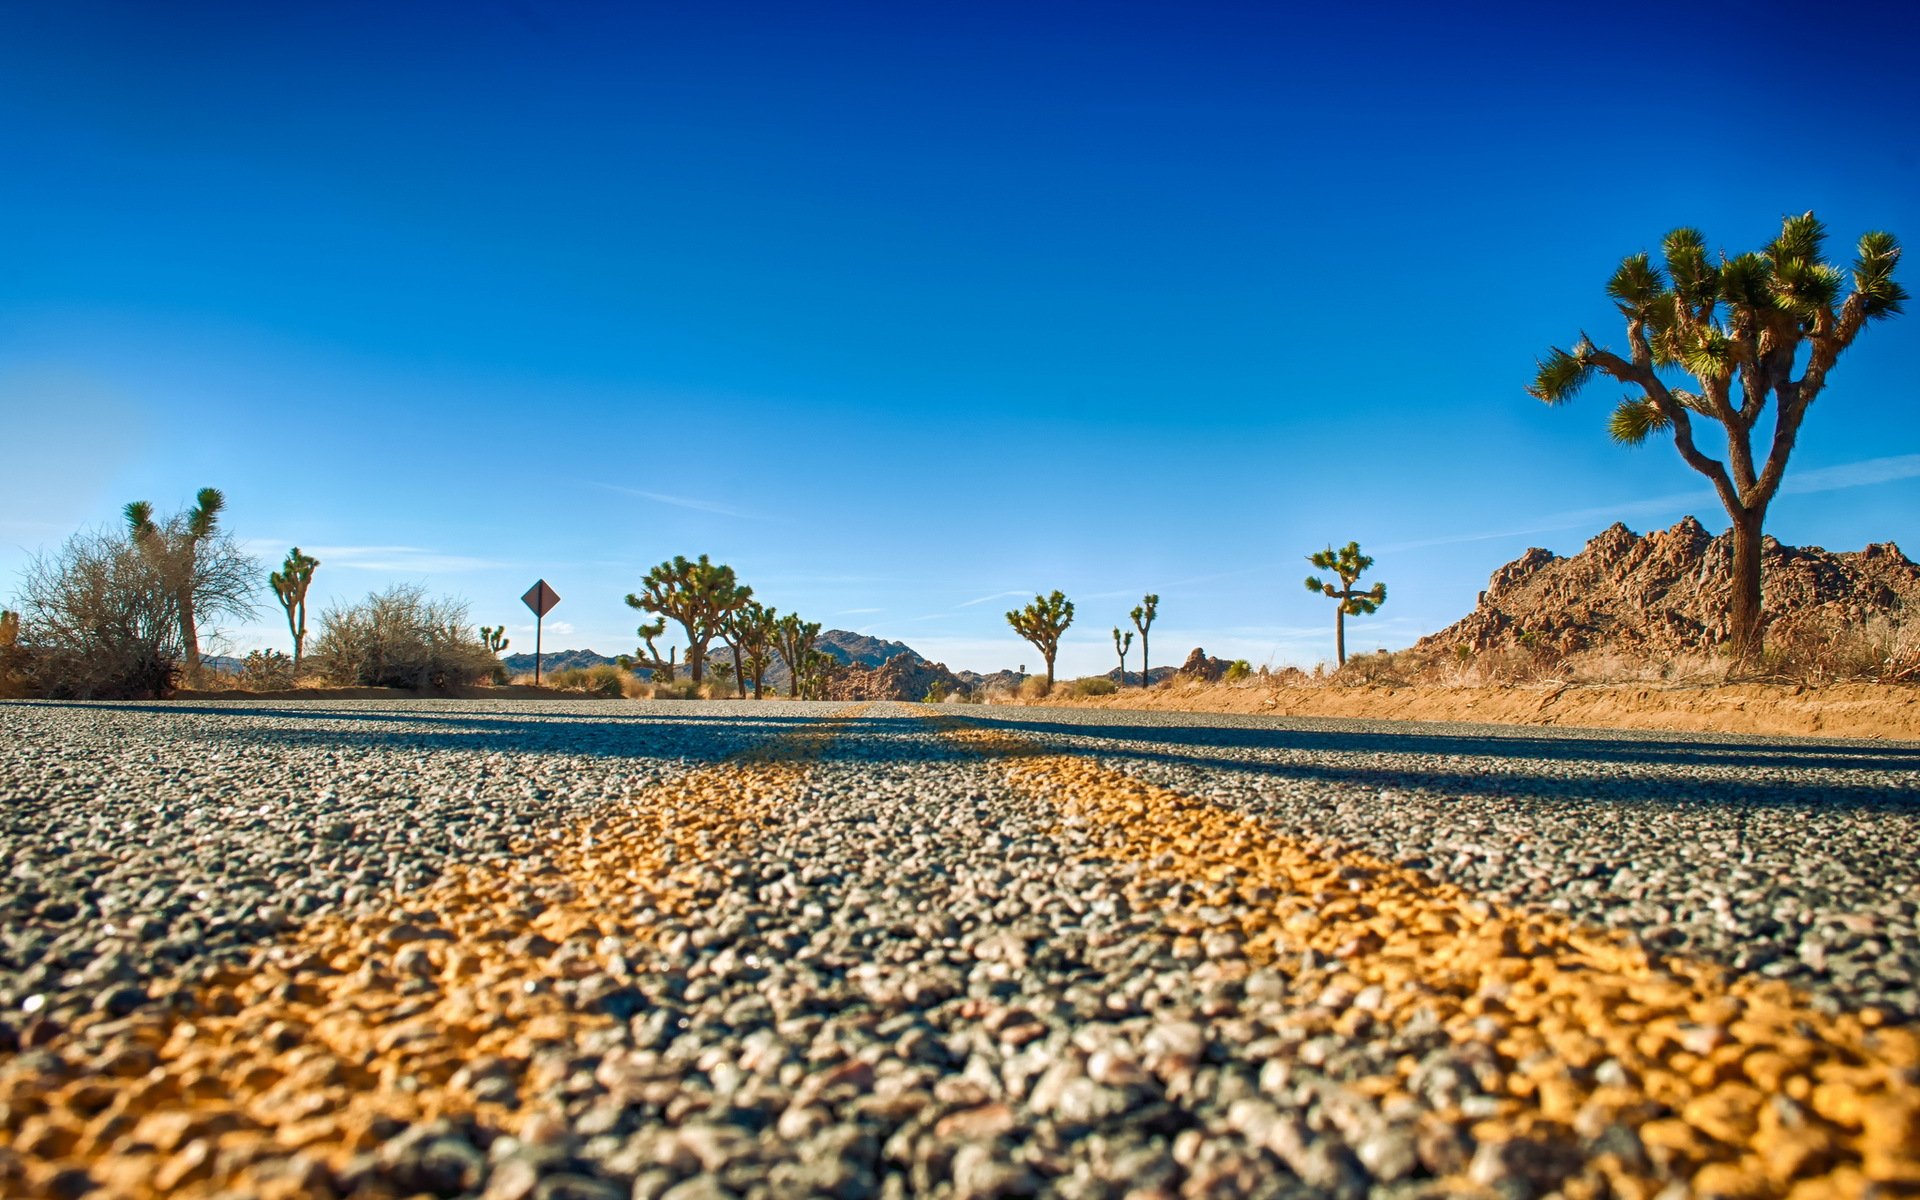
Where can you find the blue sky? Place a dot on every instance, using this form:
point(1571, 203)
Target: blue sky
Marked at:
point(907, 311)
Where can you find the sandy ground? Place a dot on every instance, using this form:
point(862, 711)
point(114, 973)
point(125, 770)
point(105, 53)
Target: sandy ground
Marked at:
point(1840, 710)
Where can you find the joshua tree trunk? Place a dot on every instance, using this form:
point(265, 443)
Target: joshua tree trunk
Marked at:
point(1746, 585)
point(1340, 635)
point(1049, 673)
point(189, 638)
point(1146, 679)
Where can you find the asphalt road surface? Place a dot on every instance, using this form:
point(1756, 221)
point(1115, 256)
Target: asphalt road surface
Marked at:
point(567, 951)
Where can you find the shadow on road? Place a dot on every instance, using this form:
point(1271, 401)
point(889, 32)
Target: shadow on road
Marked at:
point(1498, 761)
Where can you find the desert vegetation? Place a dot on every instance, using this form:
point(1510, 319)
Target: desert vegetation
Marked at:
point(1347, 565)
point(1143, 614)
point(1042, 623)
point(290, 584)
point(401, 638)
point(1756, 335)
point(113, 615)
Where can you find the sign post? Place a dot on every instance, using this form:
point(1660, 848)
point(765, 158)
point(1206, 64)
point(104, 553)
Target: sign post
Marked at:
point(540, 598)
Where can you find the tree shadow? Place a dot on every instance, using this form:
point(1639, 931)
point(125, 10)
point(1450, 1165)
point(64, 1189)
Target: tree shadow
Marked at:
point(1637, 766)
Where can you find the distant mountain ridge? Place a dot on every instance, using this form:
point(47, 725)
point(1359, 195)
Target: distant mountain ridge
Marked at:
point(553, 660)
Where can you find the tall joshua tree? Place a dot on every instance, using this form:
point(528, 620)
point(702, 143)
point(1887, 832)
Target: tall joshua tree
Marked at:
point(175, 548)
point(290, 585)
point(1042, 623)
point(1143, 614)
point(793, 640)
point(699, 595)
point(754, 628)
point(1120, 647)
point(663, 668)
point(1736, 331)
point(1349, 564)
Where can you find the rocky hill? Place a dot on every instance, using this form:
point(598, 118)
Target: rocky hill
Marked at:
point(1667, 593)
point(857, 649)
point(902, 677)
point(553, 660)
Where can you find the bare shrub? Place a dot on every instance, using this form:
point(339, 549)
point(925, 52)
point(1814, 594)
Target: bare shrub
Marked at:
point(265, 671)
point(97, 621)
point(1092, 685)
point(401, 638)
point(1035, 687)
point(601, 679)
point(1824, 648)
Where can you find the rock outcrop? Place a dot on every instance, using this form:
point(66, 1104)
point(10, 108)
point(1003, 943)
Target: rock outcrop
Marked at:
point(902, 677)
point(1201, 666)
point(1668, 593)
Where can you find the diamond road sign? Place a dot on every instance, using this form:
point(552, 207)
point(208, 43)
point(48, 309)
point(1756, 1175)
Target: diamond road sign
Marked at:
point(541, 598)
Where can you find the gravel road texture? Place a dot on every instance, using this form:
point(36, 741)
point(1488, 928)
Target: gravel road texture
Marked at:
point(560, 950)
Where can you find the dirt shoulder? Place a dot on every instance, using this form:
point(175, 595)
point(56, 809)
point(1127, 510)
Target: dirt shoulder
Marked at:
point(1838, 710)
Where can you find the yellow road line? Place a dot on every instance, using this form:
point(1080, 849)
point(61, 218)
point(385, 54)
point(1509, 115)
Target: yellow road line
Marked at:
point(1699, 1056)
point(438, 1005)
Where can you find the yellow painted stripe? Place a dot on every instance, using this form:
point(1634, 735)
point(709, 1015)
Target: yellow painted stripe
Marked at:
point(1704, 1052)
point(437, 1005)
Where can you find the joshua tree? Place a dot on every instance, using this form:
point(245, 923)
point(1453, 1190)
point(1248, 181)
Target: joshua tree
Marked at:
point(1042, 623)
point(290, 585)
point(753, 629)
point(699, 595)
point(662, 668)
point(818, 672)
point(203, 572)
point(494, 638)
point(793, 640)
point(1349, 564)
point(1142, 615)
point(1736, 330)
point(1120, 647)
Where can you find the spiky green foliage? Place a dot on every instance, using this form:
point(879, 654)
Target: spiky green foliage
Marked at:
point(1635, 421)
point(1757, 335)
point(1560, 377)
point(494, 638)
point(1042, 623)
point(1348, 565)
point(699, 594)
point(1143, 614)
point(1120, 646)
point(290, 584)
point(793, 640)
point(1873, 280)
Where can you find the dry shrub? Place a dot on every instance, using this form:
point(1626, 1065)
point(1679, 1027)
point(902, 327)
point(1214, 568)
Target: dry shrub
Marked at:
point(1034, 687)
point(1092, 685)
point(401, 638)
point(601, 679)
point(97, 621)
point(679, 689)
point(1823, 648)
point(265, 671)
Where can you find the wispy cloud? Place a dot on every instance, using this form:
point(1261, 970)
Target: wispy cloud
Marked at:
point(857, 612)
point(405, 560)
point(995, 596)
point(1865, 473)
point(689, 502)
